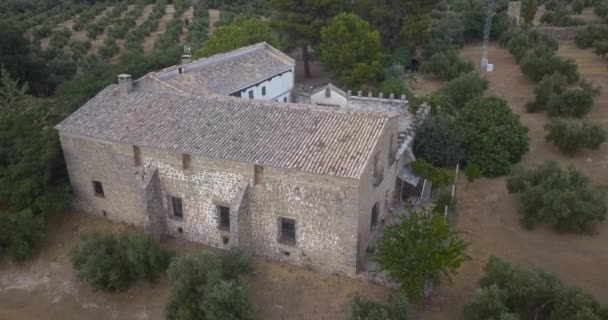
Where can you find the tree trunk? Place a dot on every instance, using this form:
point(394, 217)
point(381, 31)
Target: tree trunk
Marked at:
point(306, 59)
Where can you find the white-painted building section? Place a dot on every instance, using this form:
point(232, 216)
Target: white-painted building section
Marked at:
point(277, 88)
point(329, 97)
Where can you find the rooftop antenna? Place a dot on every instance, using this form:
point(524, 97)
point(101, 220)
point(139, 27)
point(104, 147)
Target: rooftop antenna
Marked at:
point(490, 5)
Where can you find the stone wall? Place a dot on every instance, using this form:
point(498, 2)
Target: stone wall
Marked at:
point(155, 223)
point(561, 33)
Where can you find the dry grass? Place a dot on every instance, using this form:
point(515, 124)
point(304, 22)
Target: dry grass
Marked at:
point(488, 213)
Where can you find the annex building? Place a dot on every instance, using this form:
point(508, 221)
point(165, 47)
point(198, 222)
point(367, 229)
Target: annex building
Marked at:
point(215, 151)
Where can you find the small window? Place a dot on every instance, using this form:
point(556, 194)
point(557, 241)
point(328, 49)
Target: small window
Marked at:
point(224, 217)
point(250, 94)
point(225, 240)
point(375, 213)
point(285, 99)
point(287, 232)
point(327, 93)
point(258, 174)
point(263, 91)
point(186, 161)
point(391, 150)
point(137, 156)
point(98, 189)
point(180, 70)
point(177, 207)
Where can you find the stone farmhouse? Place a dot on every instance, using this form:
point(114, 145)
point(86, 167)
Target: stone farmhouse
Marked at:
point(213, 151)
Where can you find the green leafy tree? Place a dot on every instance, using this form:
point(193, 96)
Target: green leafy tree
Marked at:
point(242, 32)
point(541, 62)
point(146, 259)
point(573, 103)
point(20, 233)
point(565, 200)
point(439, 142)
point(350, 49)
point(439, 176)
point(205, 287)
point(571, 136)
point(594, 32)
point(397, 309)
point(446, 34)
point(510, 292)
point(600, 47)
point(549, 86)
point(493, 136)
point(447, 65)
point(301, 22)
point(420, 248)
point(463, 89)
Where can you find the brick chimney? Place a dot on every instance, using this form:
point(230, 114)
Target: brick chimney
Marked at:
point(125, 84)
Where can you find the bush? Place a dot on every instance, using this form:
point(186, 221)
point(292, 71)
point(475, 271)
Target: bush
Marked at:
point(463, 89)
point(420, 248)
point(600, 47)
point(565, 200)
point(592, 33)
point(601, 8)
point(542, 62)
point(573, 103)
point(519, 43)
point(493, 137)
point(577, 6)
point(549, 86)
point(111, 263)
point(472, 171)
point(394, 85)
point(397, 309)
point(447, 65)
point(571, 136)
point(20, 233)
point(201, 289)
point(438, 141)
point(439, 176)
point(514, 292)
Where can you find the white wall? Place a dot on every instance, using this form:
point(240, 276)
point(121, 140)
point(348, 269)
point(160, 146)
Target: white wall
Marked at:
point(336, 99)
point(277, 88)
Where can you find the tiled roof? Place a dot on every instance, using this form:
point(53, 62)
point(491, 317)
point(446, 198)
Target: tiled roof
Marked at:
point(303, 137)
point(229, 72)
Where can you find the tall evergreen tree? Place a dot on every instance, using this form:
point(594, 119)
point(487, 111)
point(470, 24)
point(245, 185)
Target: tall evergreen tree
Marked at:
point(301, 21)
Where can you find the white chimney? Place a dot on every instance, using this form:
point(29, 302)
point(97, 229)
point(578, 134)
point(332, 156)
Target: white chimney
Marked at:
point(186, 59)
point(125, 84)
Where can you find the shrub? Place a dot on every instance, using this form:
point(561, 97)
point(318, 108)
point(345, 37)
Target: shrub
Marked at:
point(553, 5)
point(565, 200)
point(493, 137)
point(577, 6)
point(447, 65)
point(570, 136)
point(463, 89)
point(397, 309)
point(600, 47)
point(438, 141)
point(420, 248)
point(111, 263)
point(592, 33)
point(601, 8)
point(519, 43)
point(20, 232)
point(573, 103)
point(394, 85)
point(472, 171)
point(549, 86)
point(201, 290)
point(515, 292)
point(530, 8)
point(542, 62)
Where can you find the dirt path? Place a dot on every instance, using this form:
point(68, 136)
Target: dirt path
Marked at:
point(488, 214)
point(214, 17)
point(148, 43)
point(188, 15)
point(46, 288)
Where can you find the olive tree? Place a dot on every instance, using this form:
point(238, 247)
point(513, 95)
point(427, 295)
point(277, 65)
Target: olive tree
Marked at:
point(571, 136)
point(563, 199)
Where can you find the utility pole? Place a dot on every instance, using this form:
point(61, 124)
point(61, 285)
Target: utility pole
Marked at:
point(490, 5)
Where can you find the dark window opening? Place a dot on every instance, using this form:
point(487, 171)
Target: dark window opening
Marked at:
point(224, 217)
point(378, 173)
point(263, 91)
point(286, 253)
point(186, 161)
point(180, 230)
point(225, 240)
point(105, 213)
point(137, 156)
point(391, 150)
point(180, 70)
point(287, 233)
point(250, 94)
point(285, 99)
point(177, 207)
point(375, 213)
point(327, 93)
point(258, 174)
point(98, 189)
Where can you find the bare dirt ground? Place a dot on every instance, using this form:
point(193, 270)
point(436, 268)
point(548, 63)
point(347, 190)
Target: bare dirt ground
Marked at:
point(588, 15)
point(120, 43)
point(188, 15)
point(46, 287)
point(214, 17)
point(148, 43)
point(488, 213)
